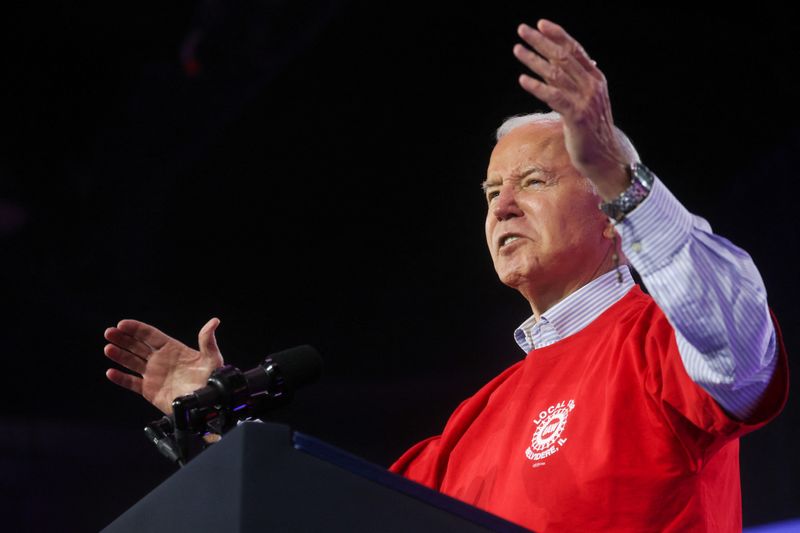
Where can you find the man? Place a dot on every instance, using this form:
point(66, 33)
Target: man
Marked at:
point(626, 413)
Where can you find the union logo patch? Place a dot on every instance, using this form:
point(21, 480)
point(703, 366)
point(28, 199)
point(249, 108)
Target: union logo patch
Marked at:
point(546, 439)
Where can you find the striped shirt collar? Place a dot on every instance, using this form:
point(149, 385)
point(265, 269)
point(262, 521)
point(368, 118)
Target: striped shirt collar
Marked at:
point(574, 312)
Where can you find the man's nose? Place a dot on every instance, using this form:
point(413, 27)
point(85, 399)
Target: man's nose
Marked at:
point(505, 204)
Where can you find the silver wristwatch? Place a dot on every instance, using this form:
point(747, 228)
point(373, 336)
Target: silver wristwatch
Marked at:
point(641, 183)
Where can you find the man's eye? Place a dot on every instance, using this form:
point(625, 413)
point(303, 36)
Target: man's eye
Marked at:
point(533, 181)
point(491, 195)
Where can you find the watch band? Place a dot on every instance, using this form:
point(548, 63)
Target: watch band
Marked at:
point(641, 183)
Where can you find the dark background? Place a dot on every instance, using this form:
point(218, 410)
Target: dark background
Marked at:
point(309, 172)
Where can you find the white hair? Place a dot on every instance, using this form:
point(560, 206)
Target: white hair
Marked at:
point(520, 120)
point(553, 117)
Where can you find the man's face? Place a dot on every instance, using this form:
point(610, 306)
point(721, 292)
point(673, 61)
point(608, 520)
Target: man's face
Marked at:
point(543, 227)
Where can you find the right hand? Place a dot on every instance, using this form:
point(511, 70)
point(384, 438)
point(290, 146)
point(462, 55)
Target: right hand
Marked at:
point(573, 86)
point(162, 368)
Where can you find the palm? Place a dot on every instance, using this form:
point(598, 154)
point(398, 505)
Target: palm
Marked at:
point(163, 368)
point(175, 370)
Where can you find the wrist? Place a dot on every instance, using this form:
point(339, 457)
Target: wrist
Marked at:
point(611, 182)
point(640, 181)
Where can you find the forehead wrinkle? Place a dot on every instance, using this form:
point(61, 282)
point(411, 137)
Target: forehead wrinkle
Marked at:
point(531, 155)
point(526, 170)
point(516, 175)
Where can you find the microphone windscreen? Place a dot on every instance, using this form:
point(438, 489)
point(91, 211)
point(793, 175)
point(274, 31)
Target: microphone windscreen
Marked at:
point(299, 366)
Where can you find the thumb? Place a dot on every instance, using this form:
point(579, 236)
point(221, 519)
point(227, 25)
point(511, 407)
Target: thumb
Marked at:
point(207, 340)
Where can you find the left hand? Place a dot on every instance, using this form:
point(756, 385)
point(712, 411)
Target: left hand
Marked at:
point(574, 87)
point(161, 368)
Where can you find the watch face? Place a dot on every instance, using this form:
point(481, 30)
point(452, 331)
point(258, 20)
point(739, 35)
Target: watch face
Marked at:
point(641, 183)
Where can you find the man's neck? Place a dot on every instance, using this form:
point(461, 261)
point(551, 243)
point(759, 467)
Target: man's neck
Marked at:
point(542, 297)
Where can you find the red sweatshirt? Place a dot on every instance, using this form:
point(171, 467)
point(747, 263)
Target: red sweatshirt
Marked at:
point(601, 431)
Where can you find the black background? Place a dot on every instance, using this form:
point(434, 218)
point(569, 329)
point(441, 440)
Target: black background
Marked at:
point(313, 177)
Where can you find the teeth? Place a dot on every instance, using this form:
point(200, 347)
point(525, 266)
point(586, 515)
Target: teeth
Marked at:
point(509, 240)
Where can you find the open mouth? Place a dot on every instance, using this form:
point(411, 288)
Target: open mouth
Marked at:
point(508, 239)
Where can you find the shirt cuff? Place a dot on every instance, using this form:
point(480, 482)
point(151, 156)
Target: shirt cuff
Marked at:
point(654, 232)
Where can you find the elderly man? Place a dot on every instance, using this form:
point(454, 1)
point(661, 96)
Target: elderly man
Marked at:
point(626, 412)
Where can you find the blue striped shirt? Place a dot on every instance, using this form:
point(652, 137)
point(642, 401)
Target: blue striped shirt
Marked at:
point(709, 289)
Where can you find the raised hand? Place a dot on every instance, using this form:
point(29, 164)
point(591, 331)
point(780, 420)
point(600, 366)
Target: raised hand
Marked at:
point(162, 368)
point(573, 86)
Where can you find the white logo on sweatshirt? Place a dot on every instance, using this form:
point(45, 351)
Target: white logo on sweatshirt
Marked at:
point(549, 425)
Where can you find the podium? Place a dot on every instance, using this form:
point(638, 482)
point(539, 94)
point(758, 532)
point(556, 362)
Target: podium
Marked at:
point(263, 477)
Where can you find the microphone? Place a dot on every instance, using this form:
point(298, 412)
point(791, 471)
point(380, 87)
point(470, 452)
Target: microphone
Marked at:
point(276, 378)
point(300, 366)
point(274, 382)
point(230, 396)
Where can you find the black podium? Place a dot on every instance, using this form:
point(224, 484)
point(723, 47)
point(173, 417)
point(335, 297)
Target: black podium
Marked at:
point(266, 478)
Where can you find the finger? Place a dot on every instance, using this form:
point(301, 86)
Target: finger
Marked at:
point(552, 96)
point(146, 333)
point(550, 72)
point(125, 358)
point(559, 35)
point(207, 341)
point(126, 342)
point(556, 54)
point(127, 381)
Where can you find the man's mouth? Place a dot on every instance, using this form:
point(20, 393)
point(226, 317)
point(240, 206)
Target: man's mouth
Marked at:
point(508, 239)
